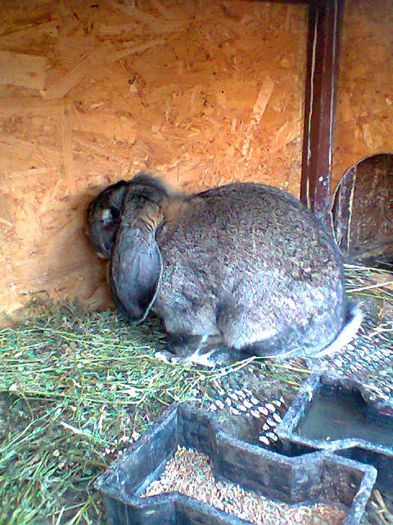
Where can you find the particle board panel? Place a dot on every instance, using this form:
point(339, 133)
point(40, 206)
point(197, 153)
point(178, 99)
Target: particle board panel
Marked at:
point(364, 115)
point(199, 92)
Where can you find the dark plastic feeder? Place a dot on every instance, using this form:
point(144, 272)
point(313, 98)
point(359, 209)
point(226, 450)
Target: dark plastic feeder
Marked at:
point(315, 477)
point(337, 415)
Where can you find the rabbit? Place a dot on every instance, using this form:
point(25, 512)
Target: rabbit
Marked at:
point(238, 270)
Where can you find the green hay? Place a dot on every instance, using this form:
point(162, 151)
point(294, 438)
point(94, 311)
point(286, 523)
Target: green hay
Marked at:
point(369, 282)
point(76, 388)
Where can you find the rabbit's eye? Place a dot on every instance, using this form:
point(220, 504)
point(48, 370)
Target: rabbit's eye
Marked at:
point(106, 215)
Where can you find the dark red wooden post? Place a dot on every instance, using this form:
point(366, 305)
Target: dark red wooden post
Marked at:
point(325, 17)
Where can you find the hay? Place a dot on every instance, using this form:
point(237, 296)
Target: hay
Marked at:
point(76, 388)
point(369, 282)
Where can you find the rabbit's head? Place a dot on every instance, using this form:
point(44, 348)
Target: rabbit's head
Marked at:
point(103, 218)
point(136, 264)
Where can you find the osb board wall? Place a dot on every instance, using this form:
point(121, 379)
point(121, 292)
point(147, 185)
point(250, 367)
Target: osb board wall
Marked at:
point(200, 92)
point(364, 117)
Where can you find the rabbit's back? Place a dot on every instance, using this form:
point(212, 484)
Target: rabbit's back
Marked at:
point(248, 261)
point(252, 228)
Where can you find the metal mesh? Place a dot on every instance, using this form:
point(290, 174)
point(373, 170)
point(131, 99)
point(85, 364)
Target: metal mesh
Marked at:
point(368, 359)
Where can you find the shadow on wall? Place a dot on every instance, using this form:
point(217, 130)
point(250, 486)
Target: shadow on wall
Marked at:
point(362, 210)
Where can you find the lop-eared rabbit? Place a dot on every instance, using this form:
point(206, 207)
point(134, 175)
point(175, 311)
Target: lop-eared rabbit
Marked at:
point(238, 270)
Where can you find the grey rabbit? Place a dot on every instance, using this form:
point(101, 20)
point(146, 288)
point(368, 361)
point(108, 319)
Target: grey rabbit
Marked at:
point(241, 269)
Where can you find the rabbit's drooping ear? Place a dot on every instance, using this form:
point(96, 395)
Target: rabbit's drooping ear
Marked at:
point(135, 274)
point(136, 264)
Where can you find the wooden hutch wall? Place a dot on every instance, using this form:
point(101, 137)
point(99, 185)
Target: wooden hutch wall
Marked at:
point(364, 114)
point(199, 92)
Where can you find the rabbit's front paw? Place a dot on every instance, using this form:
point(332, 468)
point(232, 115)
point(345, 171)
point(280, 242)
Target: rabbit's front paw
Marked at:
point(165, 356)
point(205, 359)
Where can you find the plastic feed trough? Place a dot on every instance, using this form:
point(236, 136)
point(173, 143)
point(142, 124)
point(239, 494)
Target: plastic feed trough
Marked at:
point(314, 477)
